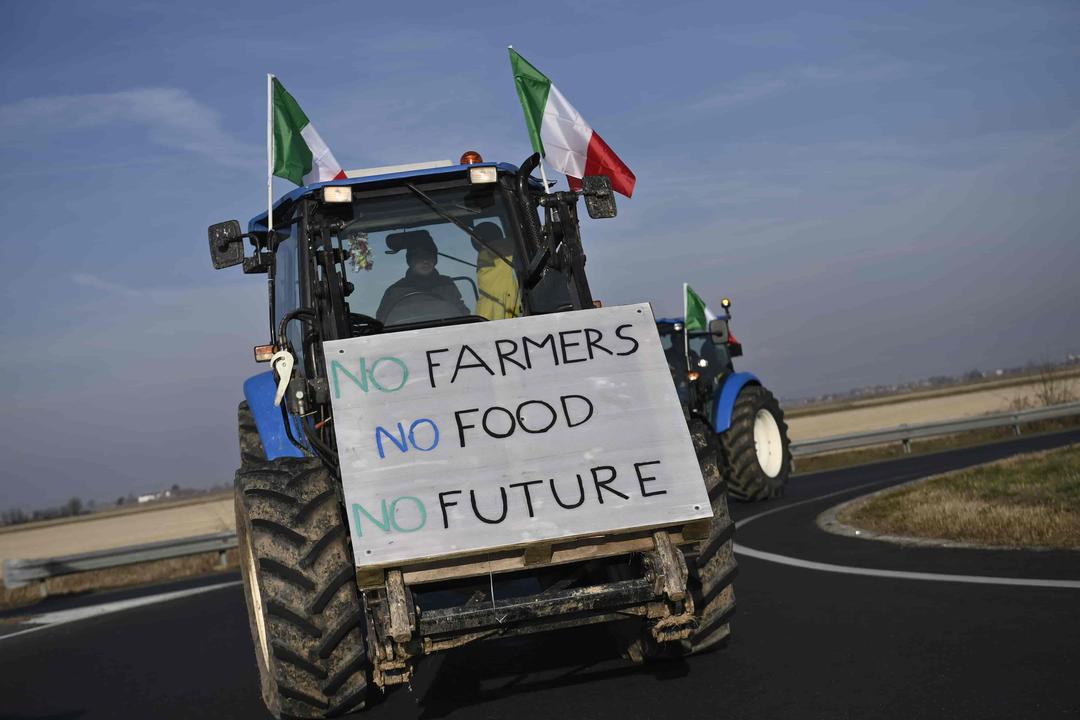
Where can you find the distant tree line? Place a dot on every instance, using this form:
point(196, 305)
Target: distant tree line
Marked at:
point(1041, 371)
point(74, 506)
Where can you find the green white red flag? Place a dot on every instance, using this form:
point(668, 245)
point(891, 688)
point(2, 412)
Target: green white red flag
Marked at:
point(300, 155)
point(561, 135)
point(696, 314)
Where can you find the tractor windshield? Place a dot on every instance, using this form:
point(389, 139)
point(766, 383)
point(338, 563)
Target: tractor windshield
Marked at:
point(412, 263)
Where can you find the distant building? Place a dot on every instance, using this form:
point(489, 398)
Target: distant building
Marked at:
point(151, 497)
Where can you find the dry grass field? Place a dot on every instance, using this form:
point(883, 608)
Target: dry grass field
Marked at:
point(1030, 500)
point(920, 408)
point(92, 532)
point(1054, 386)
point(86, 533)
point(875, 453)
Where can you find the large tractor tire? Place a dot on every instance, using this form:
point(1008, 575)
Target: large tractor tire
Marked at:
point(755, 450)
point(251, 447)
point(306, 617)
point(711, 566)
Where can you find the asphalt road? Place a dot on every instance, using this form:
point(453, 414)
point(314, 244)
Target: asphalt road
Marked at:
point(805, 644)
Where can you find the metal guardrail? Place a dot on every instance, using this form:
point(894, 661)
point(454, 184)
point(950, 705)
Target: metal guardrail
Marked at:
point(21, 572)
point(906, 433)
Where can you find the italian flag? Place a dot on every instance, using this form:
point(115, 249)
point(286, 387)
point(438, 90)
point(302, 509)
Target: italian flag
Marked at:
point(300, 155)
point(561, 135)
point(696, 314)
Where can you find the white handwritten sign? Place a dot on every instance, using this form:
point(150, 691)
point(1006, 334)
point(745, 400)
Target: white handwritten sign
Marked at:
point(488, 435)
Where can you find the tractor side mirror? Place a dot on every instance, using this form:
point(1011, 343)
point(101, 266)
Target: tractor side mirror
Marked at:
point(599, 199)
point(226, 244)
point(718, 329)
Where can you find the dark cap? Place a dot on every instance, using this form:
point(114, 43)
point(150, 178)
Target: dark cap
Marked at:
point(415, 243)
point(490, 233)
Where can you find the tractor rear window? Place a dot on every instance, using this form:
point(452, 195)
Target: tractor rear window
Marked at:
point(410, 264)
point(703, 348)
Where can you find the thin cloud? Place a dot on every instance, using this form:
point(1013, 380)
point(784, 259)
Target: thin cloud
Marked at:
point(755, 88)
point(170, 116)
point(96, 283)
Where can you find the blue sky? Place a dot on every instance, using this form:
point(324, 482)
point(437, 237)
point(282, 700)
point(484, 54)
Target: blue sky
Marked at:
point(887, 191)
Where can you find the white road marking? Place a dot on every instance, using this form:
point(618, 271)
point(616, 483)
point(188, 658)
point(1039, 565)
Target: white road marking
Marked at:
point(874, 572)
point(902, 575)
point(752, 518)
point(62, 617)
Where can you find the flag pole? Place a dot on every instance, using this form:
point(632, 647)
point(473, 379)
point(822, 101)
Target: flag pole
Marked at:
point(685, 331)
point(269, 157)
point(543, 175)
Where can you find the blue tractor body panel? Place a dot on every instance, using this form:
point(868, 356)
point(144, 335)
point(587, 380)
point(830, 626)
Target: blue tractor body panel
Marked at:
point(729, 393)
point(259, 392)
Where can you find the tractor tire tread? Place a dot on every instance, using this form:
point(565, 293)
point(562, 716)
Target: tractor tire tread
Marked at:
point(745, 479)
point(312, 613)
point(251, 447)
point(711, 568)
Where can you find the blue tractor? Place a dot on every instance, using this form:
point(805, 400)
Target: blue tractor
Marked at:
point(354, 260)
point(755, 453)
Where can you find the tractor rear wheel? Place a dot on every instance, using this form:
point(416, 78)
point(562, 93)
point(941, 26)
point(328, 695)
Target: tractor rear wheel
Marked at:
point(306, 617)
point(251, 447)
point(755, 450)
point(711, 566)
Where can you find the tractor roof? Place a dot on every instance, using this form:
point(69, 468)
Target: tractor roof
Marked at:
point(285, 202)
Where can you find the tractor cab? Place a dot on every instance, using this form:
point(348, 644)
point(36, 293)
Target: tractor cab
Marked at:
point(412, 248)
point(699, 360)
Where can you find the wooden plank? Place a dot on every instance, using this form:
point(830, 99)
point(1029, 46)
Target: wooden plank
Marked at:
point(674, 566)
point(574, 551)
point(370, 578)
point(488, 436)
point(536, 554)
point(697, 530)
point(397, 601)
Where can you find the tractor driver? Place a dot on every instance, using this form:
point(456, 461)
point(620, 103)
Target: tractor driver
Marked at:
point(424, 293)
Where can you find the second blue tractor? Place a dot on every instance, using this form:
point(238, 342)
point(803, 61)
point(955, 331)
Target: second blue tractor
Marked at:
point(753, 449)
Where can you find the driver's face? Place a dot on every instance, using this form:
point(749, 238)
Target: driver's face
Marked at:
point(423, 264)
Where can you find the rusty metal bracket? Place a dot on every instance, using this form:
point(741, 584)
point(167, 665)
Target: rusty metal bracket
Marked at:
point(388, 621)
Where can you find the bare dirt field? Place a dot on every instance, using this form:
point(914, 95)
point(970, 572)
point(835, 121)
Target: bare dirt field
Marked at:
point(916, 410)
point(89, 533)
point(1054, 386)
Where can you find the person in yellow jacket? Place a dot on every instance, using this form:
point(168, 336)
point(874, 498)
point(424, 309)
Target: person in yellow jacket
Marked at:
point(500, 297)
